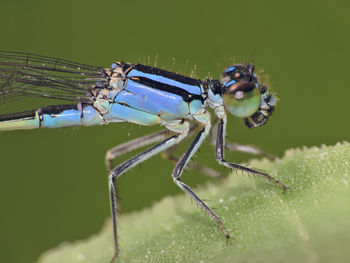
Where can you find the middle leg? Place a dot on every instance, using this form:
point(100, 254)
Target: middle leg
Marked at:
point(206, 170)
point(181, 164)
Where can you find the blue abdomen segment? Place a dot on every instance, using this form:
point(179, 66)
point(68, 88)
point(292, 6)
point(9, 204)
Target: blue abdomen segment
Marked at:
point(81, 115)
point(52, 117)
point(19, 121)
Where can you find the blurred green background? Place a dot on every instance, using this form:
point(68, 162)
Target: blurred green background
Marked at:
point(53, 182)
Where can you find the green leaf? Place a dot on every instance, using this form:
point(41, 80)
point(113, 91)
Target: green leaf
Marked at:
point(310, 222)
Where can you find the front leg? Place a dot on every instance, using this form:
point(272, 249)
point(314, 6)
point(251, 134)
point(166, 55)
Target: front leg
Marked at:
point(220, 145)
point(233, 146)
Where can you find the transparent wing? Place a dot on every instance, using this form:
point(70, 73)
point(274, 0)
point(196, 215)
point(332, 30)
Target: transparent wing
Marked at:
point(25, 75)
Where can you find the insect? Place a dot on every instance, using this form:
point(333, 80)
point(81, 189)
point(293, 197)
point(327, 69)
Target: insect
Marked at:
point(138, 94)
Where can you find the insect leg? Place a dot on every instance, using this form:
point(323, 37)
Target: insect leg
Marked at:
point(198, 140)
point(232, 146)
point(133, 145)
point(220, 142)
point(125, 166)
point(169, 155)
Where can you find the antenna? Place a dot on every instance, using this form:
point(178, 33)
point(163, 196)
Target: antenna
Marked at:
point(253, 56)
point(251, 65)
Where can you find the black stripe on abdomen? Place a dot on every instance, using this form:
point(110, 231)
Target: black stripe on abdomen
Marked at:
point(186, 96)
point(167, 74)
point(18, 115)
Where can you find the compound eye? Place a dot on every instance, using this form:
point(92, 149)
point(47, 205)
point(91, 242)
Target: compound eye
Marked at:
point(242, 99)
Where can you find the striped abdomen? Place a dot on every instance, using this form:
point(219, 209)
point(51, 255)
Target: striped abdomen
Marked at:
point(52, 117)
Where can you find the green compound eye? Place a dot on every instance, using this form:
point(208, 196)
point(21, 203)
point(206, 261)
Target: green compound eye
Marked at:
point(242, 99)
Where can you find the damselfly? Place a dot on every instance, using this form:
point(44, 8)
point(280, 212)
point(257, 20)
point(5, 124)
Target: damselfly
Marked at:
point(138, 94)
